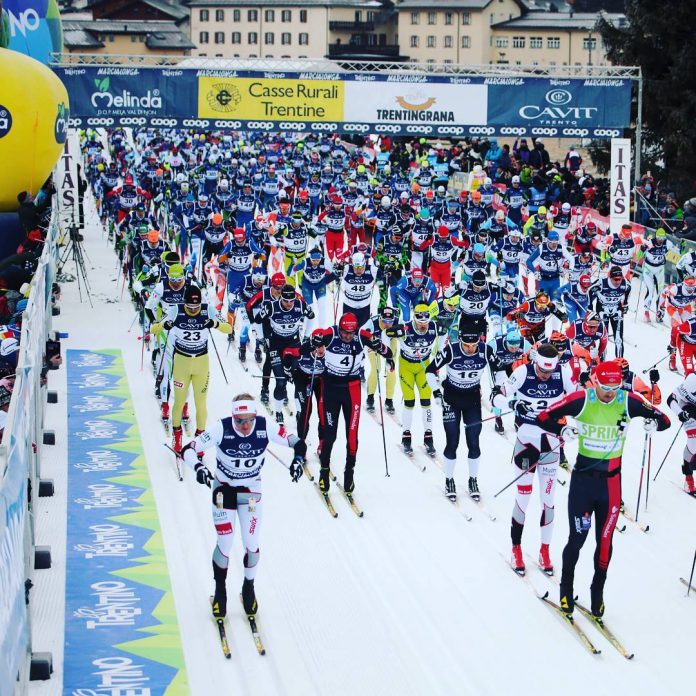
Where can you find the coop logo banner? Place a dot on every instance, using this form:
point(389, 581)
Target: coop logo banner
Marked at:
point(270, 99)
point(548, 104)
point(416, 103)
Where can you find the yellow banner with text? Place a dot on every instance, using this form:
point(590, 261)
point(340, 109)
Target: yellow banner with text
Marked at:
point(249, 98)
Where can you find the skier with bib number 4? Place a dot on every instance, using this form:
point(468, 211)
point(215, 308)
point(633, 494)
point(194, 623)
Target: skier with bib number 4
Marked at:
point(241, 441)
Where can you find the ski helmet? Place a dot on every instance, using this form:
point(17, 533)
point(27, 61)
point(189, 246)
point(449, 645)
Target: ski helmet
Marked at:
point(387, 315)
point(478, 278)
point(277, 280)
point(585, 281)
point(193, 295)
point(287, 292)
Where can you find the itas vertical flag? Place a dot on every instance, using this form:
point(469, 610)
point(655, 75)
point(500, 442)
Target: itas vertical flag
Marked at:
point(65, 178)
point(620, 179)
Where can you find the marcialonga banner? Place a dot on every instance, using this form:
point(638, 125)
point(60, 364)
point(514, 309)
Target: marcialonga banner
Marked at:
point(270, 98)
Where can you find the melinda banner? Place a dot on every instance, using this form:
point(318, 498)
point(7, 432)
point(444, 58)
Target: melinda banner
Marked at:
point(435, 105)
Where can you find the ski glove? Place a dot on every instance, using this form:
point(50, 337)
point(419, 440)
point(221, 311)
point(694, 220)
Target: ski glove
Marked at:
point(210, 324)
point(654, 376)
point(203, 475)
point(523, 408)
point(296, 468)
point(437, 395)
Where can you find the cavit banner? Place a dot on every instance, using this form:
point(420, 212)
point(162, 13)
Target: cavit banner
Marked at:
point(121, 631)
point(347, 103)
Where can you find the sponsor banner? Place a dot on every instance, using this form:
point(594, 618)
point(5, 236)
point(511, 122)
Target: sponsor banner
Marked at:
point(435, 106)
point(121, 629)
point(275, 99)
point(620, 179)
point(113, 94)
point(550, 104)
point(416, 104)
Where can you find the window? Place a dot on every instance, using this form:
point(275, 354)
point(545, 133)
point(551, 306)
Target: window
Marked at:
point(134, 38)
point(431, 41)
point(518, 41)
point(448, 61)
point(253, 16)
point(285, 38)
point(236, 37)
point(303, 16)
point(414, 42)
point(204, 15)
point(448, 42)
point(466, 17)
point(466, 42)
point(553, 42)
point(268, 38)
point(536, 42)
point(219, 37)
point(304, 39)
point(286, 16)
point(269, 16)
point(589, 44)
point(219, 15)
point(449, 18)
point(237, 16)
point(415, 17)
point(501, 41)
point(203, 37)
point(252, 38)
point(432, 17)
point(285, 57)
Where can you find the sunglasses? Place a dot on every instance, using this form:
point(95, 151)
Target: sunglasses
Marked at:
point(611, 388)
point(243, 419)
point(422, 316)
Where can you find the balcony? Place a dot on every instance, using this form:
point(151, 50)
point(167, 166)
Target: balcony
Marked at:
point(341, 50)
point(351, 26)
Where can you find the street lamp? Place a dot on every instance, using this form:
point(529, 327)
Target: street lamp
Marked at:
point(589, 47)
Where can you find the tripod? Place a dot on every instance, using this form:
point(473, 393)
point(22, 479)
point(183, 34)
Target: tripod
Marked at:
point(73, 249)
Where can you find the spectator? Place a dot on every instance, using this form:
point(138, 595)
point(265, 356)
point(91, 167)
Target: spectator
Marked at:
point(572, 160)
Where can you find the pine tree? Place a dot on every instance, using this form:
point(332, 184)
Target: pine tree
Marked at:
point(657, 38)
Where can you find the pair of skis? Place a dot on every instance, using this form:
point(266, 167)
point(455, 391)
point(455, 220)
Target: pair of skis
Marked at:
point(596, 621)
point(329, 503)
point(222, 633)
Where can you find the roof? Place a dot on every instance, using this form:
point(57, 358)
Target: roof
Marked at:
point(170, 7)
point(559, 20)
point(444, 4)
point(128, 26)
point(273, 4)
point(171, 40)
point(76, 37)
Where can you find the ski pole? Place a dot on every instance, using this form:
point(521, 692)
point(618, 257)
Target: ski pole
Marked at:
point(489, 418)
point(212, 340)
point(668, 451)
point(647, 481)
point(642, 470)
point(640, 289)
point(530, 469)
point(691, 577)
point(309, 399)
point(647, 369)
point(381, 415)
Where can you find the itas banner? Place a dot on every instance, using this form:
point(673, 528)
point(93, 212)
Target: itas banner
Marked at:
point(402, 104)
point(65, 177)
point(620, 195)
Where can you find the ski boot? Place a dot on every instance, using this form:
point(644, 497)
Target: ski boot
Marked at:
point(230, 336)
point(220, 597)
point(567, 602)
point(165, 415)
point(660, 315)
point(324, 479)
point(264, 396)
point(176, 441)
point(348, 483)
point(690, 487)
point(370, 403)
point(451, 489)
point(279, 417)
point(242, 354)
point(153, 358)
point(545, 560)
point(517, 561)
point(596, 602)
point(474, 489)
point(499, 427)
point(563, 461)
point(185, 418)
point(146, 341)
point(249, 597)
point(647, 316)
point(428, 443)
point(258, 356)
point(389, 406)
point(406, 442)
point(672, 360)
